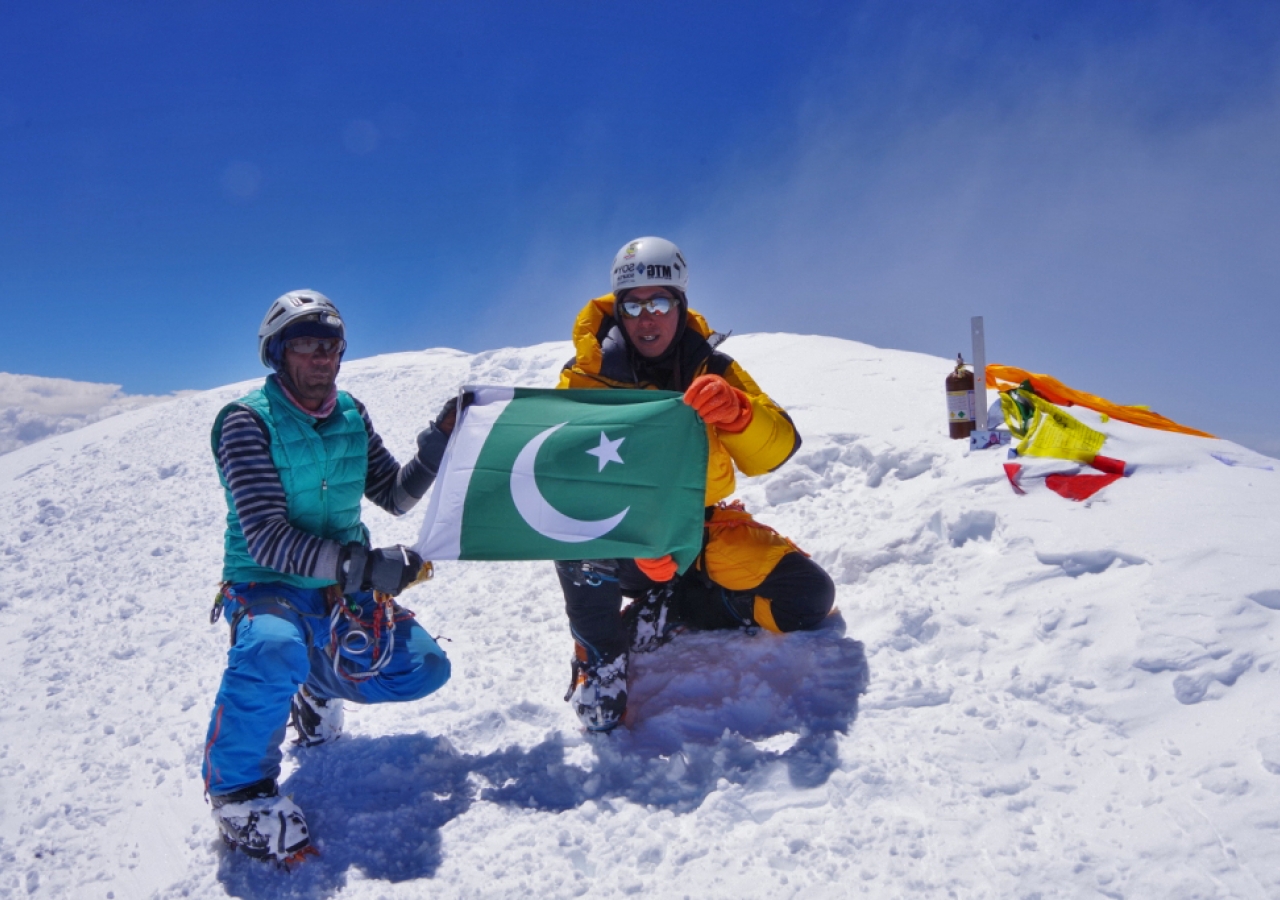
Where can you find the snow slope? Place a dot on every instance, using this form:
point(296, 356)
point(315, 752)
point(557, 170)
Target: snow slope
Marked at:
point(1062, 699)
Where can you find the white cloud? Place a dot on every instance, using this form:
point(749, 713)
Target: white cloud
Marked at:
point(1110, 236)
point(33, 408)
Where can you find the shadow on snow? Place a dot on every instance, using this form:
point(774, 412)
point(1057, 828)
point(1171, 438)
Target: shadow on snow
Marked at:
point(707, 707)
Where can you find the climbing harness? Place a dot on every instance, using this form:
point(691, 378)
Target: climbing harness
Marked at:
point(363, 634)
point(376, 635)
point(215, 612)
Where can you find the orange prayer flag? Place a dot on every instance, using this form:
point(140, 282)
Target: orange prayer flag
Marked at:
point(1004, 378)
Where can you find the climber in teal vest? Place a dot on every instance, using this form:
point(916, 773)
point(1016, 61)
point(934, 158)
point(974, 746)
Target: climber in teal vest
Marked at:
point(308, 601)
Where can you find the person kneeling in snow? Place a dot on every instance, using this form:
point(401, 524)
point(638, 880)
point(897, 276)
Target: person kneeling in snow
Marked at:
point(308, 601)
point(644, 335)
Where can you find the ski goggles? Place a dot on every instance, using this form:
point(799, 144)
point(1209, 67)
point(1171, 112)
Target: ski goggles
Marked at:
point(309, 345)
point(658, 306)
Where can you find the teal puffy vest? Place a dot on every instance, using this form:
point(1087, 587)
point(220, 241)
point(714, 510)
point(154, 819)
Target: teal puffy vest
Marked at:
point(322, 465)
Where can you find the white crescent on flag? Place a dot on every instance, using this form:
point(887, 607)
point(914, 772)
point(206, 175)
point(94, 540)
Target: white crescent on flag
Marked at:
point(540, 515)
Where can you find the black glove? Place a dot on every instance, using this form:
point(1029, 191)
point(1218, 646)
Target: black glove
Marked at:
point(449, 413)
point(433, 441)
point(386, 569)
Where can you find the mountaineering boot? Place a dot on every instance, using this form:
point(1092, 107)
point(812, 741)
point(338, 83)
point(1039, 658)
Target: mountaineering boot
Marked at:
point(707, 606)
point(260, 823)
point(652, 619)
point(316, 719)
point(740, 605)
point(598, 693)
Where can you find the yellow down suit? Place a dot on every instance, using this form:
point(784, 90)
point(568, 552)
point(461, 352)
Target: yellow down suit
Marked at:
point(747, 574)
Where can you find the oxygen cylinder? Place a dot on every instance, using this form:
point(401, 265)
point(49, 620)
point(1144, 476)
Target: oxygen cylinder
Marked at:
point(961, 415)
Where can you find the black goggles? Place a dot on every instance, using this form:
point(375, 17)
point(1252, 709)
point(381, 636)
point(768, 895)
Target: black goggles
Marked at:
point(309, 345)
point(658, 306)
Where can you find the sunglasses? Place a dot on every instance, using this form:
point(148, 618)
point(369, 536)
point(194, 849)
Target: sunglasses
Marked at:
point(309, 345)
point(658, 306)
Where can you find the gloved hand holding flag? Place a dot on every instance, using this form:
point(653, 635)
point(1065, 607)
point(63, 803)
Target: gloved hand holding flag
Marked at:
point(577, 474)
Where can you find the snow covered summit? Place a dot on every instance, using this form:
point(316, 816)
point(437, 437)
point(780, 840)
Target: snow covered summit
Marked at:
point(1062, 699)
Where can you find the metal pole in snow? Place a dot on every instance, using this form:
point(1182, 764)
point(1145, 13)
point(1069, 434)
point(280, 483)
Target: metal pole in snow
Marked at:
point(982, 436)
point(979, 373)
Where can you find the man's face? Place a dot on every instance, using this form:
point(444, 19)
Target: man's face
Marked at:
point(313, 374)
point(649, 333)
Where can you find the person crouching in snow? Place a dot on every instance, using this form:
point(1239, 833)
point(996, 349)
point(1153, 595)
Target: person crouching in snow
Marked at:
point(299, 578)
point(644, 335)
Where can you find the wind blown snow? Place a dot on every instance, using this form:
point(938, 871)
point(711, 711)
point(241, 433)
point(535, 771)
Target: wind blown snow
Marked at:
point(1061, 699)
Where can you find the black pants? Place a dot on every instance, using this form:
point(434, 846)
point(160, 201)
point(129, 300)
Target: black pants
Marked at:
point(799, 591)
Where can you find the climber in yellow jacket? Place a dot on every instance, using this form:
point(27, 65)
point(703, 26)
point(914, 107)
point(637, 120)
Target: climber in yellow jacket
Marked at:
point(644, 335)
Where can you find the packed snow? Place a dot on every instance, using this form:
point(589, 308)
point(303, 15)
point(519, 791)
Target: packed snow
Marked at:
point(1061, 699)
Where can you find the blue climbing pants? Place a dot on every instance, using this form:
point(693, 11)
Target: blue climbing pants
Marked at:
point(280, 637)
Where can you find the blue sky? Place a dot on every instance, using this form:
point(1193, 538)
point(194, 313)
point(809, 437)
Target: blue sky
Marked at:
point(1098, 180)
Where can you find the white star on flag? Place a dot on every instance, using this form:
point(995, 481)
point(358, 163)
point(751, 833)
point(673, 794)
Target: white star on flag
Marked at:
point(607, 452)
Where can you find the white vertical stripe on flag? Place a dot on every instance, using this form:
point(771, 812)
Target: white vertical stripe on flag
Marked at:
point(441, 534)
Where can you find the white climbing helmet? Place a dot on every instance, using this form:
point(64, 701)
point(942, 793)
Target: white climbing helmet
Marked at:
point(292, 307)
point(649, 262)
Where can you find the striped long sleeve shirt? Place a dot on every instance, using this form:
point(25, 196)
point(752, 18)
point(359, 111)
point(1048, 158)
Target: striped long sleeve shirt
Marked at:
point(244, 456)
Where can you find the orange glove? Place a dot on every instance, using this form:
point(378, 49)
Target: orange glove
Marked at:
point(661, 569)
point(719, 403)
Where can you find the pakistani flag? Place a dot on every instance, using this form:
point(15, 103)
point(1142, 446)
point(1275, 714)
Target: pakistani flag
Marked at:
point(547, 474)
